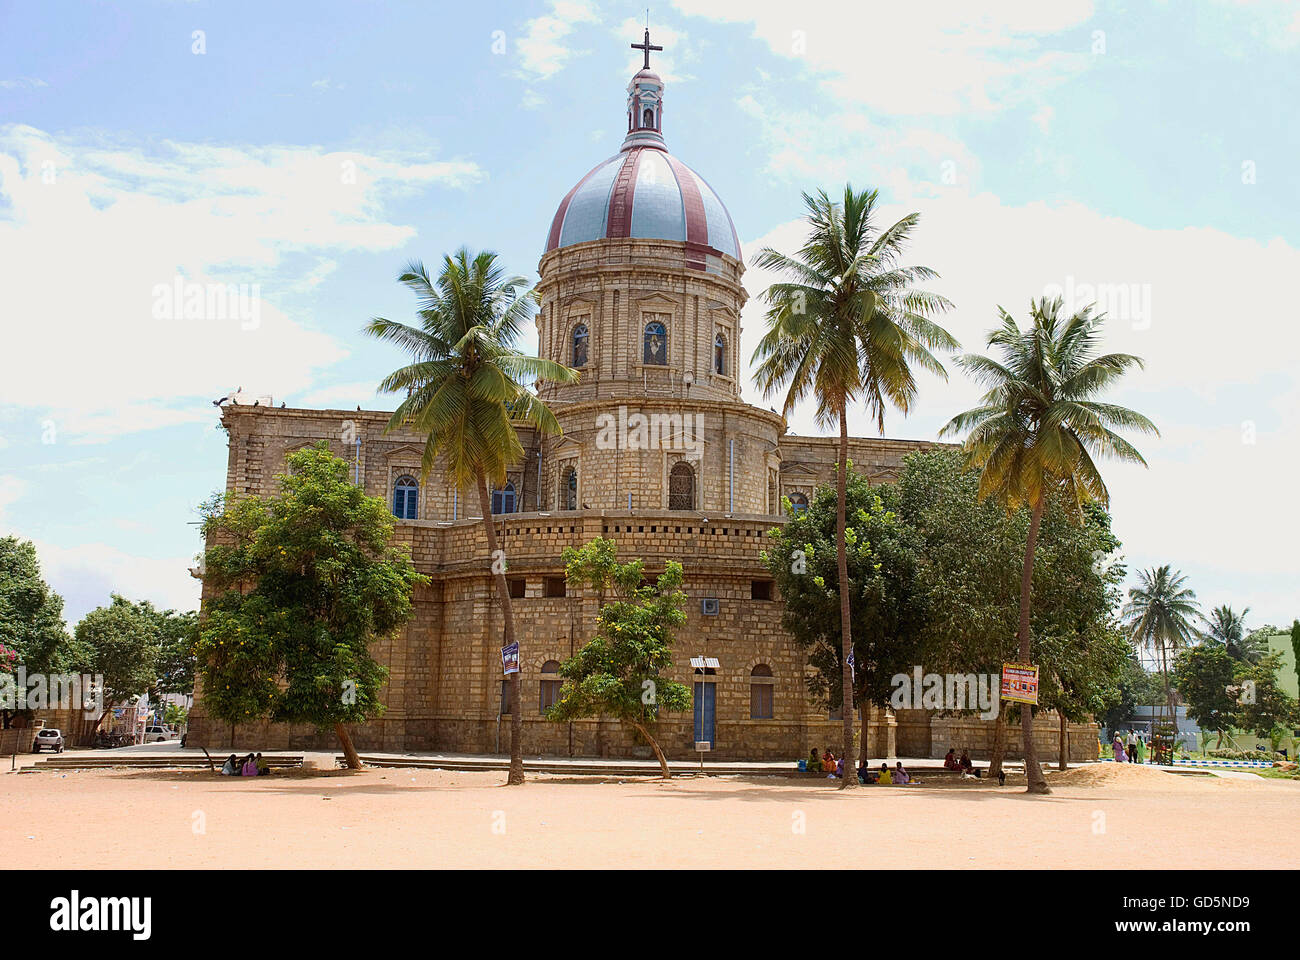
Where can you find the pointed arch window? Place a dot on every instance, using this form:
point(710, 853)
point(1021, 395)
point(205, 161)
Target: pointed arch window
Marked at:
point(406, 498)
point(681, 487)
point(656, 344)
point(720, 355)
point(580, 342)
point(503, 500)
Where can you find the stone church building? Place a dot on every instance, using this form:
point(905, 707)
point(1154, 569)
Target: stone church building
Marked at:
point(641, 290)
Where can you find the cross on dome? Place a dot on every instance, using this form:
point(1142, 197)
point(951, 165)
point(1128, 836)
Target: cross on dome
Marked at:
point(646, 46)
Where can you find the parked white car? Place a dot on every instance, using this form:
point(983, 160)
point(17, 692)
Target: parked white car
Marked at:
point(154, 734)
point(48, 738)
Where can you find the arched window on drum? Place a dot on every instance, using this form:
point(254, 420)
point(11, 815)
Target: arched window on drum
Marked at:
point(655, 350)
point(406, 498)
point(581, 339)
point(681, 487)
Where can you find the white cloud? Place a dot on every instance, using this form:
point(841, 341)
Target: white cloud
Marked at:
point(86, 574)
point(941, 57)
point(22, 83)
point(544, 49)
point(11, 489)
point(95, 230)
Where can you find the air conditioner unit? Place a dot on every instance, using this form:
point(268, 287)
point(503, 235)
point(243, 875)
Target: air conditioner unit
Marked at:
point(709, 606)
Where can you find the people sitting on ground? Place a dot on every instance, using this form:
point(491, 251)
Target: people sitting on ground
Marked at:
point(901, 775)
point(249, 767)
point(967, 767)
point(814, 761)
point(263, 768)
point(950, 761)
point(231, 767)
point(828, 761)
point(885, 776)
point(864, 773)
point(839, 769)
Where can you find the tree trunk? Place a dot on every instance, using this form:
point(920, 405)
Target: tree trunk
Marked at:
point(349, 751)
point(846, 624)
point(863, 748)
point(999, 741)
point(1065, 743)
point(108, 708)
point(659, 754)
point(516, 775)
point(1169, 701)
point(1033, 773)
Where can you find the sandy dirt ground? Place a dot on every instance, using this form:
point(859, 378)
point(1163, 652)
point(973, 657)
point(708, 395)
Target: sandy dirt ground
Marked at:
point(1100, 816)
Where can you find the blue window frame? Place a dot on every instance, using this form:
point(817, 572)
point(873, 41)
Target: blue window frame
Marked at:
point(503, 500)
point(406, 498)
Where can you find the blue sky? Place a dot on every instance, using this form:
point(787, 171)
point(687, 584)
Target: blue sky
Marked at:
point(1141, 153)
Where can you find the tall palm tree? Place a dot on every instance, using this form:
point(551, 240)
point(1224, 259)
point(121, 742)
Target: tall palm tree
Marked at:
point(465, 390)
point(1038, 428)
point(846, 327)
point(1227, 629)
point(1159, 616)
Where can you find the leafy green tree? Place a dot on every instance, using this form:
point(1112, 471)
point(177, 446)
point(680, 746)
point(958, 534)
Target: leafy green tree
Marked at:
point(890, 601)
point(178, 634)
point(972, 569)
point(1266, 706)
point(31, 614)
point(1159, 616)
point(1205, 676)
point(1227, 629)
point(306, 581)
point(121, 645)
point(1136, 687)
point(848, 326)
point(1037, 430)
point(465, 390)
point(1295, 647)
point(620, 671)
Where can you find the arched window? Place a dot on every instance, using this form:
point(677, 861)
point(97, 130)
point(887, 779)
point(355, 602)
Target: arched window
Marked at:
point(798, 503)
point(681, 487)
point(761, 686)
point(570, 491)
point(720, 355)
point(648, 118)
point(551, 684)
point(656, 344)
point(580, 345)
point(503, 501)
point(406, 498)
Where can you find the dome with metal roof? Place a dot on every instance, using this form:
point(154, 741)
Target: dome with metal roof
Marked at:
point(643, 190)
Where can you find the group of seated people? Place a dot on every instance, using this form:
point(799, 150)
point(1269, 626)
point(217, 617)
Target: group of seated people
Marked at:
point(962, 763)
point(250, 766)
point(833, 767)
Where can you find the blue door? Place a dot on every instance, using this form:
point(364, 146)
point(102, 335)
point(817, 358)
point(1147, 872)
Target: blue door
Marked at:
point(704, 701)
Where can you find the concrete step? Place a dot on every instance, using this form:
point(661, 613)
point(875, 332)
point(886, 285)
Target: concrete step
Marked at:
point(151, 763)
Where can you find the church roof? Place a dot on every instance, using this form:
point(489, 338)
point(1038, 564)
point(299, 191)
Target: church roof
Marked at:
point(644, 191)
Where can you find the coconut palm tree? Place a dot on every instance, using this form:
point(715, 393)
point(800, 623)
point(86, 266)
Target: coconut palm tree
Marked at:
point(1227, 629)
point(1159, 616)
point(1038, 428)
point(848, 326)
point(465, 391)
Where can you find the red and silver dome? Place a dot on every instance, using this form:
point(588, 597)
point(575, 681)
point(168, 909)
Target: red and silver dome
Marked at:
point(644, 191)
